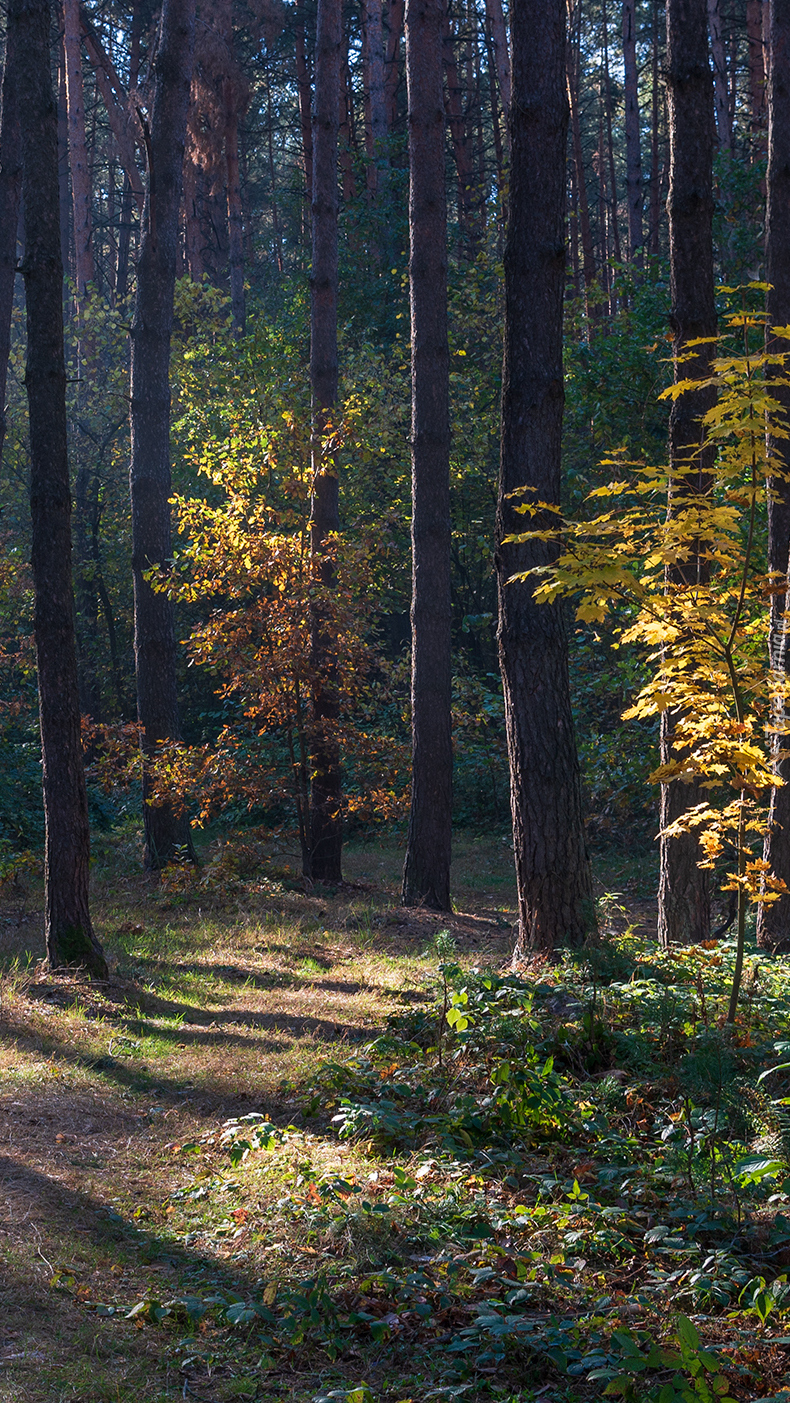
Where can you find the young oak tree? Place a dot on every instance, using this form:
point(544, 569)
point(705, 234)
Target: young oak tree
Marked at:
point(552, 866)
point(426, 874)
point(69, 934)
point(167, 830)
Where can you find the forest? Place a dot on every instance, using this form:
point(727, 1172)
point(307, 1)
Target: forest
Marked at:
point(394, 618)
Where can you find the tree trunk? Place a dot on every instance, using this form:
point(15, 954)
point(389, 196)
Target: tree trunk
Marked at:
point(633, 145)
point(235, 222)
point(167, 833)
point(69, 934)
point(683, 894)
point(326, 824)
point(78, 149)
point(773, 921)
point(10, 192)
point(552, 868)
point(720, 84)
point(426, 874)
point(116, 103)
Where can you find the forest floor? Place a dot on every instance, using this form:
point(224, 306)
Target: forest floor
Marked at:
point(261, 1163)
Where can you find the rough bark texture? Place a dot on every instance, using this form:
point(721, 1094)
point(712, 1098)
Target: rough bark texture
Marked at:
point(552, 868)
point(69, 935)
point(426, 876)
point(326, 824)
point(633, 145)
point(10, 192)
point(78, 148)
point(655, 177)
point(773, 922)
point(167, 833)
point(683, 894)
point(720, 85)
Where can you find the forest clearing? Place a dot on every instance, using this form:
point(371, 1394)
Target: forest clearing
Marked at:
point(242, 1168)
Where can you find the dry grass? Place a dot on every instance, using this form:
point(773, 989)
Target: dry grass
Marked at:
point(226, 991)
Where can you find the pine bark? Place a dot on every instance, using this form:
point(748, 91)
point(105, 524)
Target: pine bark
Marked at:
point(684, 895)
point(326, 824)
point(552, 867)
point(426, 875)
point(69, 933)
point(167, 832)
point(773, 921)
point(10, 194)
point(633, 144)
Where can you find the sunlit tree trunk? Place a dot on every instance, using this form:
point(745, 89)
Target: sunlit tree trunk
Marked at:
point(10, 192)
point(326, 822)
point(167, 832)
point(426, 876)
point(552, 867)
point(683, 894)
point(773, 922)
point(69, 933)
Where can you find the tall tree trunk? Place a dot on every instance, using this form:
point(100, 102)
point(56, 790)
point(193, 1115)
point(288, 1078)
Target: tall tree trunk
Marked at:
point(552, 868)
point(63, 164)
point(426, 874)
point(756, 59)
point(125, 233)
point(683, 894)
point(773, 921)
point(720, 85)
point(326, 824)
point(69, 934)
point(633, 144)
point(167, 833)
point(10, 193)
point(78, 149)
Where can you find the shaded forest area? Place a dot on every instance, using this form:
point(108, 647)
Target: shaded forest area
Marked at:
point(395, 488)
